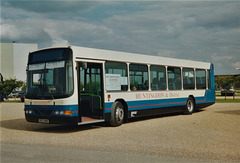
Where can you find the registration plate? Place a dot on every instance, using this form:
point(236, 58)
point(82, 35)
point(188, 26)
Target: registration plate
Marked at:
point(43, 120)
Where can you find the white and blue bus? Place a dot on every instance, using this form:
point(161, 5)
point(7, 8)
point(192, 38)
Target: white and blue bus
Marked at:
point(77, 85)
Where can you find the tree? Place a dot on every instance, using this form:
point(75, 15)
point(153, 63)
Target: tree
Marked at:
point(9, 85)
point(237, 82)
point(218, 82)
point(227, 81)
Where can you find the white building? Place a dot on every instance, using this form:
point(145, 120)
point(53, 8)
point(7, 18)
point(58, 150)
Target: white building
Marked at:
point(13, 59)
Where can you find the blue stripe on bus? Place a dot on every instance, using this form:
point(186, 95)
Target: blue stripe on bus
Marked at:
point(149, 104)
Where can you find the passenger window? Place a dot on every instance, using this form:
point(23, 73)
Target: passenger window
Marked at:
point(174, 78)
point(158, 77)
point(201, 79)
point(188, 78)
point(138, 77)
point(116, 76)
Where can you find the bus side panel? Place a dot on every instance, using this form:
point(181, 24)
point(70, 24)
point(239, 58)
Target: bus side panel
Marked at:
point(150, 107)
point(212, 84)
point(207, 100)
point(161, 106)
point(150, 112)
point(155, 111)
point(209, 97)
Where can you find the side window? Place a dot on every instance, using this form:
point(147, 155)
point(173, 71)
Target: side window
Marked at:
point(116, 76)
point(209, 79)
point(69, 79)
point(201, 79)
point(174, 78)
point(158, 77)
point(138, 77)
point(188, 78)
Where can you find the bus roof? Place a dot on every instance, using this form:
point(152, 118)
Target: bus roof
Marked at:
point(108, 55)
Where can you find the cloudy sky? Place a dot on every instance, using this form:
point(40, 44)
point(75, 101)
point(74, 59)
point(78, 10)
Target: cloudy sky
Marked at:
point(197, 30)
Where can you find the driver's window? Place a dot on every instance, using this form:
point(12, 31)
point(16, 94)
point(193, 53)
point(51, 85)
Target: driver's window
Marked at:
point(37, 79)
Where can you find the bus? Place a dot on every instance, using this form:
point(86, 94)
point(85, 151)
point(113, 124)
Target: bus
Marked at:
point(79, 85)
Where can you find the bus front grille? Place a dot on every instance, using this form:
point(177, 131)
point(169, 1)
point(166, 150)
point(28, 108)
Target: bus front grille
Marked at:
point(42, 112)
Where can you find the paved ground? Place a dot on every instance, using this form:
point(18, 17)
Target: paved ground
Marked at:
point(212, 134)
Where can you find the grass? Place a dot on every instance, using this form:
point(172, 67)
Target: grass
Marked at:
point(13, 101)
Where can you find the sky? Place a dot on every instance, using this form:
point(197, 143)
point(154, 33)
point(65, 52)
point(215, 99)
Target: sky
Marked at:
point(197, 30)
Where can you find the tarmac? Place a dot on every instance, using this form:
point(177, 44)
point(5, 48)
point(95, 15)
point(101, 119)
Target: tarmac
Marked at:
point(210, 135)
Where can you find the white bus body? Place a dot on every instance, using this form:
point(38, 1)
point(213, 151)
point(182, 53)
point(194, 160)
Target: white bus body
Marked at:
point(112, 86)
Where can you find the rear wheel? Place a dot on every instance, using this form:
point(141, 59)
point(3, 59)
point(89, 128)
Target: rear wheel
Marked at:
point(190, 106)
point(117, 114)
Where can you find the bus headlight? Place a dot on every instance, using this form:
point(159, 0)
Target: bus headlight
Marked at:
point(28, 111)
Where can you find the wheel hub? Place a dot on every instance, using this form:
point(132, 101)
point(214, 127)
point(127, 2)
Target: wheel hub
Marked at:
point(119, 114)
point(190, 105)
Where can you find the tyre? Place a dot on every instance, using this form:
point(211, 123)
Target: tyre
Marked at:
point(190, 106)
point(117, 114)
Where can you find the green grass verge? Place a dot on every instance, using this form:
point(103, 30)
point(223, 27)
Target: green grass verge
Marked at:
point(12, 101)
point(227, 101)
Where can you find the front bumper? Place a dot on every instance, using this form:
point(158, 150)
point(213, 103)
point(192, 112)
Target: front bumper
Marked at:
point(53, 119)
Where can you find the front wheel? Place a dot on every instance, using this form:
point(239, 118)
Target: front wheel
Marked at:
point(117, 114)
point(190, 106)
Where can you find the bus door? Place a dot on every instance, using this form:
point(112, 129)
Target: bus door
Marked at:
point(90, 92)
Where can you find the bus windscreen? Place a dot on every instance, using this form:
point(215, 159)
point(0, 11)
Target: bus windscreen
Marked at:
point(50, 74)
